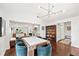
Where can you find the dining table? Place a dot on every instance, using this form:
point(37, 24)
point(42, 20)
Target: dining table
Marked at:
point(32, 43)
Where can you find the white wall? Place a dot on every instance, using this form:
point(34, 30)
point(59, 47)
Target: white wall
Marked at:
point(2, 45)
point(4, 41)
point(42, 32)
point(75, 31)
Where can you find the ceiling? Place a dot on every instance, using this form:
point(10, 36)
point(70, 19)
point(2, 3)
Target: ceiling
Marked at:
point(32, 10)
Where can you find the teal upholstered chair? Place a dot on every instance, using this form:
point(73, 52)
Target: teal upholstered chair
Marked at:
point(44, 50)
point(21, 49)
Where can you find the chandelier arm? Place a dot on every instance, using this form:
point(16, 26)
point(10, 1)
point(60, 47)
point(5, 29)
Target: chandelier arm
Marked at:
point(56, 12)
point(42, 16)
point(44, 8)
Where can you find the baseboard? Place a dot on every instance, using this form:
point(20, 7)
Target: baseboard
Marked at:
point(3, 52)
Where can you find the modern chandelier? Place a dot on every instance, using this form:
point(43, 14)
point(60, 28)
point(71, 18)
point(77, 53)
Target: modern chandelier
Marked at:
point(49, 11)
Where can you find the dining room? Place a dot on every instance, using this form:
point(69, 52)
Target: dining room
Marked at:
point(39, 29)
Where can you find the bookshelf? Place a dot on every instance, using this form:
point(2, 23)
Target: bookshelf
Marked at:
point(51, 36)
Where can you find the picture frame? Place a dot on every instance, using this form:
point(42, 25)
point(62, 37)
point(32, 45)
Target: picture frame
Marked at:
point(68, 28)
point(42, 27)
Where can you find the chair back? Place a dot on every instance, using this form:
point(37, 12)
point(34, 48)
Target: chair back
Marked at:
point(44, 50)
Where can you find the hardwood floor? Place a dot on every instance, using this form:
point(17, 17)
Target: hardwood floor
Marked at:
point(74, 51)
point(54, 48)
point(12, 52)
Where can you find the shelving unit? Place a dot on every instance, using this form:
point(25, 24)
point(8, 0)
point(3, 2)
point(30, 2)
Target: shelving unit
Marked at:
point(51, 36)
point(51, 32)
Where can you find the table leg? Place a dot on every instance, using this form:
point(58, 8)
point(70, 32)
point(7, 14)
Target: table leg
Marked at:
point(30, 51)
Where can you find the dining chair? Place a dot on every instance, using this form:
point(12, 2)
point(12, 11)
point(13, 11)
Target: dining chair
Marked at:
point(44, 50)
point(21, 49)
